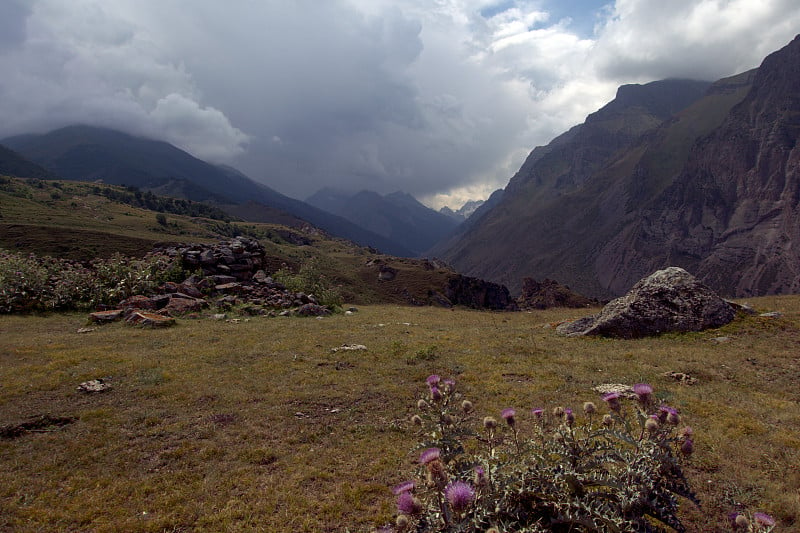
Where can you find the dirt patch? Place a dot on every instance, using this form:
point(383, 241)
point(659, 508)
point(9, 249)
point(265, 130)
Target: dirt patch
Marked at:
point(41, 424)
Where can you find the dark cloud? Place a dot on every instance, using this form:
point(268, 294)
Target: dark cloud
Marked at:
point(13, 23)
point(439, 99)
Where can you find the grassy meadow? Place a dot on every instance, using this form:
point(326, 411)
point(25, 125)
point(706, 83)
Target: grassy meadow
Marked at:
point(257, 425)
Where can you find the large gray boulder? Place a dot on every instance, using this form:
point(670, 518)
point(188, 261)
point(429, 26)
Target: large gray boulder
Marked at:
point(669, 300)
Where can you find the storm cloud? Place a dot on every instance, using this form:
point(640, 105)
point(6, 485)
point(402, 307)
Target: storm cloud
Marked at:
point(442, 99)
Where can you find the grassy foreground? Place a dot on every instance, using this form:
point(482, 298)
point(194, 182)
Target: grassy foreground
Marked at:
point(258, 426)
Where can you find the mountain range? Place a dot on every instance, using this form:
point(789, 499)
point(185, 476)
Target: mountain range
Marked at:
point(464, 212)
point(684, 173)
point(676, 172)
point(397, 216)
point(87, 153)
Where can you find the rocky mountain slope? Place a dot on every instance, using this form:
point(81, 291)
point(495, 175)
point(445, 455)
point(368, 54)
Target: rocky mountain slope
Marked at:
point(669, 173)
point(397, 216)
point(89, 153)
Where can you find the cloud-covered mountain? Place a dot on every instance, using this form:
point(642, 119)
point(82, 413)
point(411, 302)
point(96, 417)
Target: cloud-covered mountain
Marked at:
point(666, 174)
point(13, 164)
point(464, 212)
point(89, 153)
point(397, 216)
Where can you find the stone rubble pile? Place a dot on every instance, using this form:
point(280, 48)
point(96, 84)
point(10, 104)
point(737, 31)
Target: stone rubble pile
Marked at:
point(232, 276)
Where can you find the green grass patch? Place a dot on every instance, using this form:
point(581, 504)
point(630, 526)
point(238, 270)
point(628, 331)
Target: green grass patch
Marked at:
point(258, 425)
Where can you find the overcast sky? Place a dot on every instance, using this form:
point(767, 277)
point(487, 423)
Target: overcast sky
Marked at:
point(439, 98)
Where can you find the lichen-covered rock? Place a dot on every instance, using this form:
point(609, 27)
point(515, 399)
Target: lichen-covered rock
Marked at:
point(154, 320)
point(104, 317)
point(669, 300)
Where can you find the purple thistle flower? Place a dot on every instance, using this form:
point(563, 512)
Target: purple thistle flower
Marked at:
point(436, 394)
point(431, 454)
point(612, 399)
point(450, 385)
point(537, 412)
point(763, 519)
point(569, 416)
point(406, 486)
point(460, 495)
point(432, 380)
point(408, 504)
point(643, 391)
point(687, 447)
point(508, 414)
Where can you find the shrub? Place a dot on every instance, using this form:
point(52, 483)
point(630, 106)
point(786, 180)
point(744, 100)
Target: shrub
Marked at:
point(556, 471)
point(31, 283)
point(311, 280)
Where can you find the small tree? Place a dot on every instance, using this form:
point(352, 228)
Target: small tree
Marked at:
point(161, 219)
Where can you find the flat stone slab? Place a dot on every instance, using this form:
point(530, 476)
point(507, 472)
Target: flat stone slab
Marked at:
point(154, 320)
point(103, 317)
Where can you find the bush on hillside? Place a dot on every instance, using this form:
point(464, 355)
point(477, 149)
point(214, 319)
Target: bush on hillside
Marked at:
point(31, 283)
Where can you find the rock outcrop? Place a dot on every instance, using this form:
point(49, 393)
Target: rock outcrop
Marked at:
point(240, 257)
point(479, 294)
point(669, 300)
point(550, 293)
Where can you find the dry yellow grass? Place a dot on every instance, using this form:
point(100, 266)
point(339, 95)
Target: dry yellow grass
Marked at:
point(257, 426)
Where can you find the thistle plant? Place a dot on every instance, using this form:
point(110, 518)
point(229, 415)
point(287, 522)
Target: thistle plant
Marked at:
point(619, 471)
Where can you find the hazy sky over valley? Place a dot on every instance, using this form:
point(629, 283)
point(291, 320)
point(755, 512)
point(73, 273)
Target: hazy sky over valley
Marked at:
point(439, 98)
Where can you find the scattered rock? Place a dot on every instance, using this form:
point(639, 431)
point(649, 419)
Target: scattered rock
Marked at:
point(619, 388)
point(137, 301)
point(104, 317)
point(349, 348)
point(85, 330)
point(312, 310)
point(680, 377)
point(771, 314)
point(720, 340)
point(94, 386)
point(387, 273)
point(154, 320)
point(669, 300)
point(183, 306)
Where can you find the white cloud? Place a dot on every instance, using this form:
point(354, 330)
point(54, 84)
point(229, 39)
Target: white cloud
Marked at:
point(440, 98)
point(205, 131)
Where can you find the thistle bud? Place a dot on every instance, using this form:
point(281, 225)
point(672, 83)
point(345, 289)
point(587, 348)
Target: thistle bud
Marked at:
point(422, 404)
point(489, 422)
point(687, 447)
point(436, 394)
point(608, 420)
point(447, 420)
point(467, 406)
point(401, 522)
point(558, 412)
point(416, 420)
point(651, 425)
point(437, 475)
point(589, 408)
